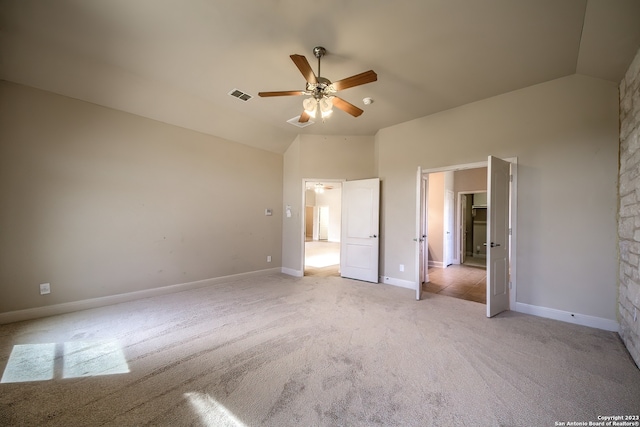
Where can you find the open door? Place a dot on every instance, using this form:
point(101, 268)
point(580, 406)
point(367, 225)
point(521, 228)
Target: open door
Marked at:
point(498, 179)
point(463, 228)
point(421, 233)
point(448, 227)
point(360, 228)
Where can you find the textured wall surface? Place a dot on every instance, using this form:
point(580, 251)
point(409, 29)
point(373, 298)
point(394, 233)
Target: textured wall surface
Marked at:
point(629, 221)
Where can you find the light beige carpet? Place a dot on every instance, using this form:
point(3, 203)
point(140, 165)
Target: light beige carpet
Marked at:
point(283, 351)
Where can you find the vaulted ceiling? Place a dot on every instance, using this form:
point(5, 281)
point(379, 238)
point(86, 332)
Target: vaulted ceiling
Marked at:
point(176, 61)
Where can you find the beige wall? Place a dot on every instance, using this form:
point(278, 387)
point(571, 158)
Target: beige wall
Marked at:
point(318, 157)
point(470, 180)
point(99, 202)
point(564, 134)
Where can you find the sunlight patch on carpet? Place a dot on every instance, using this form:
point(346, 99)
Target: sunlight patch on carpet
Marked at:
point(30, 362)
point(93, 358)
point(37, 362)
point(320, 261)
point(211, 412)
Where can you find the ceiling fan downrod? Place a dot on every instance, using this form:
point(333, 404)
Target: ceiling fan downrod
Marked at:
point(319, 52)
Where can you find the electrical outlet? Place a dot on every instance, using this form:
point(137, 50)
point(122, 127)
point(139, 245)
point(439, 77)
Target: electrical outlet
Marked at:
point(268, 258)
point(45, 288)
point(401, 267)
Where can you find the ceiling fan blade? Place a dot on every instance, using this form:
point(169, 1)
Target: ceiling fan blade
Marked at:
point(304, 117)
point(304, 67)
point(357, 80)
point(282, 93)
point(346, 106)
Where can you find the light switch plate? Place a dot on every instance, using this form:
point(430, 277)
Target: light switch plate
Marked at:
point(45, 288)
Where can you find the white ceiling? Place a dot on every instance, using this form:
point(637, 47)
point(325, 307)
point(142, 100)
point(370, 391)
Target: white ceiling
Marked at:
point(176, 60)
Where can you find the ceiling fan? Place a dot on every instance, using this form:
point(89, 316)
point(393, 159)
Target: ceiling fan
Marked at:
point(321, 90)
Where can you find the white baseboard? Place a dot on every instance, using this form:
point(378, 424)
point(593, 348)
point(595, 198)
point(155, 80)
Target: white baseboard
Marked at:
point(436, 264)
point(68, 307)
point(292, 272)
point(566, 316)
point(397, 282)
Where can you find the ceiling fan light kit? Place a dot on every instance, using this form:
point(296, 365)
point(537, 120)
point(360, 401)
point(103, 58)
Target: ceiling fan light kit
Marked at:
point(321, 91)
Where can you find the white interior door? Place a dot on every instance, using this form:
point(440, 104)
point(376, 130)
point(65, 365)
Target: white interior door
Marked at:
point(421, 232)
point(463, 227)
point(360, 229)
point(448, 228)
point(498, 174)
point(425, 234)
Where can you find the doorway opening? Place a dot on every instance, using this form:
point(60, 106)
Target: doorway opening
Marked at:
point(322, 227)
point(457, 230)
point(500, 176)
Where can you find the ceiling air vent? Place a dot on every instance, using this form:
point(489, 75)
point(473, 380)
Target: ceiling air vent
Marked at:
point(240, 95)
point(294, 121)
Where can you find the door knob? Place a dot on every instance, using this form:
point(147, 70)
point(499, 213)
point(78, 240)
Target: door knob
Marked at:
point(493, 245)
point(373, 236)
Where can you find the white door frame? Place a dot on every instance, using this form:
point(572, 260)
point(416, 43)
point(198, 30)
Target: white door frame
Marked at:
point(512, 214)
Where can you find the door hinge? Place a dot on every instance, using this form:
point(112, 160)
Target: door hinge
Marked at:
point(510, 178)
point(510, 232)
point(510, 287)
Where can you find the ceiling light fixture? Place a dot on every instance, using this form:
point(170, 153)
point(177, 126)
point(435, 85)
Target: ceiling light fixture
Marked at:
point(311, 105)
point(319, 188)
point(326, 106)
point(318, 102)
point(321, 92)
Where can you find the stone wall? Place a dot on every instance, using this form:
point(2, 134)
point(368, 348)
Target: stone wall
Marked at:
point(629, 210)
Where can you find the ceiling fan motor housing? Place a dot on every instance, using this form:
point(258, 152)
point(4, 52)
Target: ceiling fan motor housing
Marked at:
point(320, 89)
